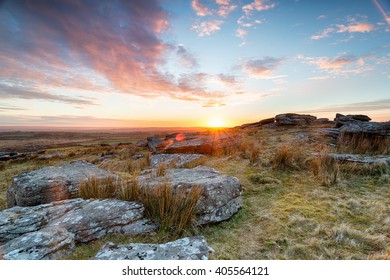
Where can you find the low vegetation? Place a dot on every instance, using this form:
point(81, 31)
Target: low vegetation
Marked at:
point(296, 205)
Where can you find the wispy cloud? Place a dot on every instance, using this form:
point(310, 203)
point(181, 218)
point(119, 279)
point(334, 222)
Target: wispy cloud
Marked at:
point(200, 9)
point(8, 92)
point(241, 32)
point(375, 105)
point(207, 28)
point(225, 8)
point(338, 65)
point(258, 5)
point(261, 68)
point(6, 107)
point(353, 26)
point(186, 58)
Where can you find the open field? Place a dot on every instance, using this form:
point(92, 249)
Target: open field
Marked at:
point(293, 207)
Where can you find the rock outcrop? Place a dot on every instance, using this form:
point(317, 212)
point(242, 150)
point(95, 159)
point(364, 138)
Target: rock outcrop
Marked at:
point(257, 124)
point(5, 156)
point(52, 183)
point(189, 248)
point(341, 119)
point(360, 159)
point(381, 129)
point(294, 119)
point(222, 194)
point(174, 160)
point(48, 231)
point(192, 143)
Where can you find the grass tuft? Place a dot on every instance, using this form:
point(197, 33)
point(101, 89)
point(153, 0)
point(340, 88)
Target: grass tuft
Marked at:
point(325, 168)
point(99, 188)
point(288, 157)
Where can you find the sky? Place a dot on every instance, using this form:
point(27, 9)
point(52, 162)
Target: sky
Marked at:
point(150, 63)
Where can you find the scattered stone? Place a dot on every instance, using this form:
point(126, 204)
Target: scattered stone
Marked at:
point(369, 128)
point(360, 159)
point(46, 244)
point(103, 158)
point(142, 143)
point(321, 121)
point(52, 183)
point(192, 143)
point(175, 160)
point(6, 156)
point(137, 156)
point(222, 194)
point(104, 145)
point(153, 143)
point(189, 248)
point(341, 119)
point(294, 119)
point(31, 232)
point(257, 124)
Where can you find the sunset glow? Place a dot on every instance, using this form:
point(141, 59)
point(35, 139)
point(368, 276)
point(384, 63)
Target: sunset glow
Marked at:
point(159, 63)
point(216, 123)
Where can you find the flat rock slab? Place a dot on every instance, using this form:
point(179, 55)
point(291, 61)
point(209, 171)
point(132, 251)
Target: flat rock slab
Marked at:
point(294, 119)
point(192, 143)
point(360, 159)
point(52, 183)
point(189, 248)
point(46, 244)
point(82, 220)
point(221, 197)
point(175, 160)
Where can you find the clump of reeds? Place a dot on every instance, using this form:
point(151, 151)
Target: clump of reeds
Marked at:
point(173, 208)
point(94, 187)
point(364, 143)
point(288, 157)
point(326, 168)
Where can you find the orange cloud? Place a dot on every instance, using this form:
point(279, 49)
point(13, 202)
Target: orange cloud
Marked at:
point(361, 27)
point(199, 8)
point(258, 5)
point(207, 28)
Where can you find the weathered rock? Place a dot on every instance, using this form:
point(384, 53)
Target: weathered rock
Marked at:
point(142, 143)
point(331, 133)
point(76, 220)
point(46, 244)
point(222, 194)
point(189, 248)
point(294, 119)
point(341, 119)
point(153, 143)
point(5, 156)
point(360, 159)
point(257, 124)
point(17, 220)
point(321, 121)
point(193, 143)
point(100, 217)
point(175, 160)
point(137, 156)
point(52, 183)
point(371, 128)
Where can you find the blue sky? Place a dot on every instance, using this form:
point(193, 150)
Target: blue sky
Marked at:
point(184, 63)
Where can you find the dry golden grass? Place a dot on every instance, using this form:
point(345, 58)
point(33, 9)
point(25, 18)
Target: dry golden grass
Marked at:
point(94, 187)
point(288, 157)
point(161, 170)
point(325, 168)
point(173, 209)
point(364, 143)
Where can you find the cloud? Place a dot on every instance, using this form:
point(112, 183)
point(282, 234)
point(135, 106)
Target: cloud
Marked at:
point(258, 5)
point(207, 28)
point(8, 92)
point(375, 105)
point(225, 8)
point(261, 68)
point(322, 17)
point(352, 27)
point(361, 27)
point(338, 65)
point(104, 47)
point(241, 32)
point(6, 107)
point(186, 58)
point(199, 8)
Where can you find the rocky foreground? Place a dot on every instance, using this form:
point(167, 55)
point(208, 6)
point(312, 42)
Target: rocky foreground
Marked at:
point(46, 220)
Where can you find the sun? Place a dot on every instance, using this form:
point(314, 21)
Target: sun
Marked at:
point(216, 123)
